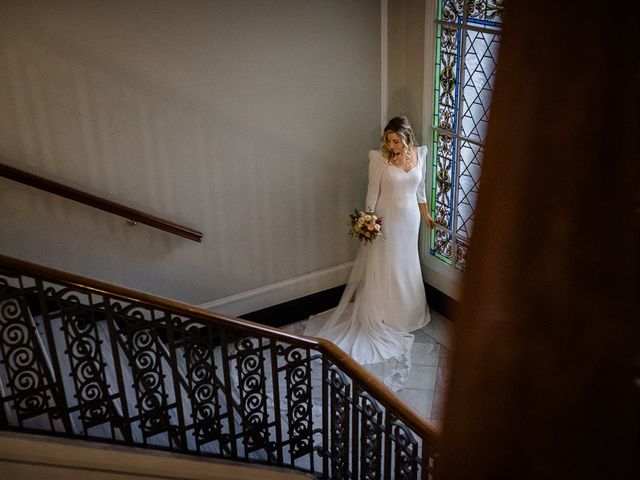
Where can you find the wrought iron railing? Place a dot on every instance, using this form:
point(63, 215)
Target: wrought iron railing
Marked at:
point(85, 359)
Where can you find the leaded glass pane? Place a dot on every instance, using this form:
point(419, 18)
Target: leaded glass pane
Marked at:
point(489, 11)
point(468, 181)
point(467, 44)
point(444, 168)
point(443, 246)
point(481, 55)
point(451, 10)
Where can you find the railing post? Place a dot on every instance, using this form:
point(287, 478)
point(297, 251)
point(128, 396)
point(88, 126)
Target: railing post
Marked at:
point(387, 444)
point(125, 422)
point(371, 431)
point(340, 413)
point(325, 417)
point(226, 370)
point(273, 350)
point(425, 460)
point(355, 431)
point(57, 386)
point(177, 381)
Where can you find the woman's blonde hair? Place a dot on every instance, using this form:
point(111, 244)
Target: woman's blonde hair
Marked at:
point(402, 127)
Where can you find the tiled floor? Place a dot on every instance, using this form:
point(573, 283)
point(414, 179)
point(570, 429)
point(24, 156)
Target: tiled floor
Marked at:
point(424, 389)
point(429, 368)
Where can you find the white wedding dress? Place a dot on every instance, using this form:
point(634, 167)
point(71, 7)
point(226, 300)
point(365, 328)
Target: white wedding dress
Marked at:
point(384, 298)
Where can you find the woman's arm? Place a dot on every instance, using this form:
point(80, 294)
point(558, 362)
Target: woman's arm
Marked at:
point(375, 173)
point(421, 194)
point(426, 216)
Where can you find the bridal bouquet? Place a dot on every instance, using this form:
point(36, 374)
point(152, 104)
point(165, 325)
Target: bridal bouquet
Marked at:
point(365, 225)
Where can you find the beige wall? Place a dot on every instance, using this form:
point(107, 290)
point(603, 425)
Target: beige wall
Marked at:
point(249, 121)
point(406, 61)
point(33, 457)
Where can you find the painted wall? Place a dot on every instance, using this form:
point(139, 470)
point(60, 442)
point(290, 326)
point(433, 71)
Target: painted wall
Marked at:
point(249, 121)
point(406, 61)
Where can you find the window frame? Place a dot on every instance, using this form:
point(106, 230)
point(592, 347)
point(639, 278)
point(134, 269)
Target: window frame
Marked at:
point(446, 277)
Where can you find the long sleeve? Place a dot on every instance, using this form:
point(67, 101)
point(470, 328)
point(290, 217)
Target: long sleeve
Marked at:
point(420, 193)
point(376, 164)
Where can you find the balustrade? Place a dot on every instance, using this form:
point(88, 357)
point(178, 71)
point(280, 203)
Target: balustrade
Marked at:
point(88, 360)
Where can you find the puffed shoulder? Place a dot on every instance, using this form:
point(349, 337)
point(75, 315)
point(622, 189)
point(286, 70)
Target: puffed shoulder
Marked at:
point(376, 161)
point(375, 155)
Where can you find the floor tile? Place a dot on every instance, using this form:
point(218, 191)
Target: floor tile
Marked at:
point(437, 409)
point(444, 359)
point(425, 354)
point(422, 377)
point(420, 337)
point(421, 400)
point(440, 329)
point(442, 377)
point(376, 368)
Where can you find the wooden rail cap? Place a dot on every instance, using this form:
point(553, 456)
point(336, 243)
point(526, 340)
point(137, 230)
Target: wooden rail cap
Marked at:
point(420, 425)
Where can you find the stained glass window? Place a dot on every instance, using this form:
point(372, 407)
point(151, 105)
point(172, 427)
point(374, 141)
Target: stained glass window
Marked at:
point(467, 42)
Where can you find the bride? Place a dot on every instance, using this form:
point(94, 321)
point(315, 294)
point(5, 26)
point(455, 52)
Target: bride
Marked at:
point(384, 299)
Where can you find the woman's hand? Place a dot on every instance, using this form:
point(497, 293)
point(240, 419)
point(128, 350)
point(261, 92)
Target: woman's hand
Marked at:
point(426, 216)
point(429, 221)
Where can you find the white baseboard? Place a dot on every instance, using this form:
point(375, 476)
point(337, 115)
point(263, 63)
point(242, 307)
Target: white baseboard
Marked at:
point(308, 284)
point(448, 282)
point(280, 292)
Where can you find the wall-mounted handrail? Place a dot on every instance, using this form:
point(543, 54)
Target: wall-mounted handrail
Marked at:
point(94, 201)
point(364, 385)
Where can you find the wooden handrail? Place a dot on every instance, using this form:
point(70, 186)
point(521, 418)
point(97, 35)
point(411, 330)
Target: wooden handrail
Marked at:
point(361, 375)
point(76, 195)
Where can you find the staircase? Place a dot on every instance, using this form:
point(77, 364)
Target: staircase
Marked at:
point(88, 360)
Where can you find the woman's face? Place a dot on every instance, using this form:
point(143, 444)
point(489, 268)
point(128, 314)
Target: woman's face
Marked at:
point(394, 143)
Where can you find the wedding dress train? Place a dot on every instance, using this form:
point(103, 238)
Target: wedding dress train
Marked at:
point(384, 298)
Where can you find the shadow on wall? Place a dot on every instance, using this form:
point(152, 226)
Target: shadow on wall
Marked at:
point(267, 200)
